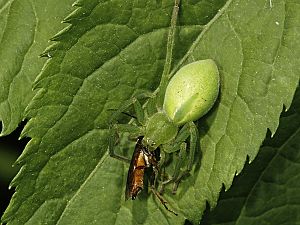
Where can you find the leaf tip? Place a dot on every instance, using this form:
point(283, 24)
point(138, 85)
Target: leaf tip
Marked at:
point(59, 36)
point(15, 180)
point(4, 131)
point(76, 15)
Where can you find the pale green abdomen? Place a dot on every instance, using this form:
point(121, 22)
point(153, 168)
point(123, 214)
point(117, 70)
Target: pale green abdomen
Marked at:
point(192, 91)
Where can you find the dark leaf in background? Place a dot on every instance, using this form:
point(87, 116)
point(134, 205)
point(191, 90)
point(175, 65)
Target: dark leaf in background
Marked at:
point(268, 189)
point(10, 149)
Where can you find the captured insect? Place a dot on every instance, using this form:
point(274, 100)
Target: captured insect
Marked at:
point(165, 122)
point(142, 160)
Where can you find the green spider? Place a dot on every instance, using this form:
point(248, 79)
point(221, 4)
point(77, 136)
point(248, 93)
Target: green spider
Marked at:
point(165, 121)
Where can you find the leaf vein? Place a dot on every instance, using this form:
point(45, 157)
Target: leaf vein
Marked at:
point(17, 74)
point(231, 105)
point(199, 38)
point(101, 161)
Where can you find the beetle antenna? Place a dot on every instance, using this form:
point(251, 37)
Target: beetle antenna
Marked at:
point(125, 113)
point(167, 67)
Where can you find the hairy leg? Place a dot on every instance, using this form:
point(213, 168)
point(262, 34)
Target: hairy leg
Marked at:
point(191, 156)
point(112, 142)
point(167, 67)
point(115, 129)
point(188, 131)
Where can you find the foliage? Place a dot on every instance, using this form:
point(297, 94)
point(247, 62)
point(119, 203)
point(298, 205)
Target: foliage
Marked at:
point(111, 50)
point(268, 189)
point(25, 27)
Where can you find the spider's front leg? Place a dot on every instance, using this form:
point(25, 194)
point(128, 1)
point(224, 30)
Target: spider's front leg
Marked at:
point(124, 107)
point(189, 130)
point(132, 129)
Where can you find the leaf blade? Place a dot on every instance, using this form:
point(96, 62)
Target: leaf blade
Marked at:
point(265, 189)
point(238, 125)
point(24, 26)
point(74, 97)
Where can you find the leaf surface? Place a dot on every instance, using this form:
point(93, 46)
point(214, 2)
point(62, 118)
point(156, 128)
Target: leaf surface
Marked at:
point(114, 49)
point(25, 27)
point(268, 189)
point(257, 61)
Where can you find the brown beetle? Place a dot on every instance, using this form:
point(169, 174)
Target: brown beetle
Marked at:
point(142, 159)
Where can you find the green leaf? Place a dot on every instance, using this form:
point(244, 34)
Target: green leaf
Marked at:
point(25, 27)
point(113, 49)
point(257, 54)
point(268, 189)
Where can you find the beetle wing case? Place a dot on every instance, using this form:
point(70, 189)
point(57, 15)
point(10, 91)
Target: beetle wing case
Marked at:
point(135, 176)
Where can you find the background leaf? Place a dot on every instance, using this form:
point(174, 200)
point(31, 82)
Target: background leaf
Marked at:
point(25, 27)
point(113, 49)
point(268, 189)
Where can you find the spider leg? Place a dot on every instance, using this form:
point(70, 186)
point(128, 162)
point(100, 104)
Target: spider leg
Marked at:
point(156, 101)
point(181, 137)
point(113, 137)
point(137, 107)
point(178, 143)
point(188, 130)
point(191, 156)
point(181, 159)
point(139, 112)
point(122, 128)
point(167, 67)
point(133, 130)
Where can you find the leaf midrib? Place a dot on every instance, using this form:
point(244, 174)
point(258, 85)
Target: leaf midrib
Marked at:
point(102, 160)
point(195, 43)
point(5, 5)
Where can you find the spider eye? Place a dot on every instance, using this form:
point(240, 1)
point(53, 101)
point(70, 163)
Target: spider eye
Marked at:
point(192, 91)
point(151, 143)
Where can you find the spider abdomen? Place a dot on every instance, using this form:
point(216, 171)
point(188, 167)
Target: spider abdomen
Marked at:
point(192, 91)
